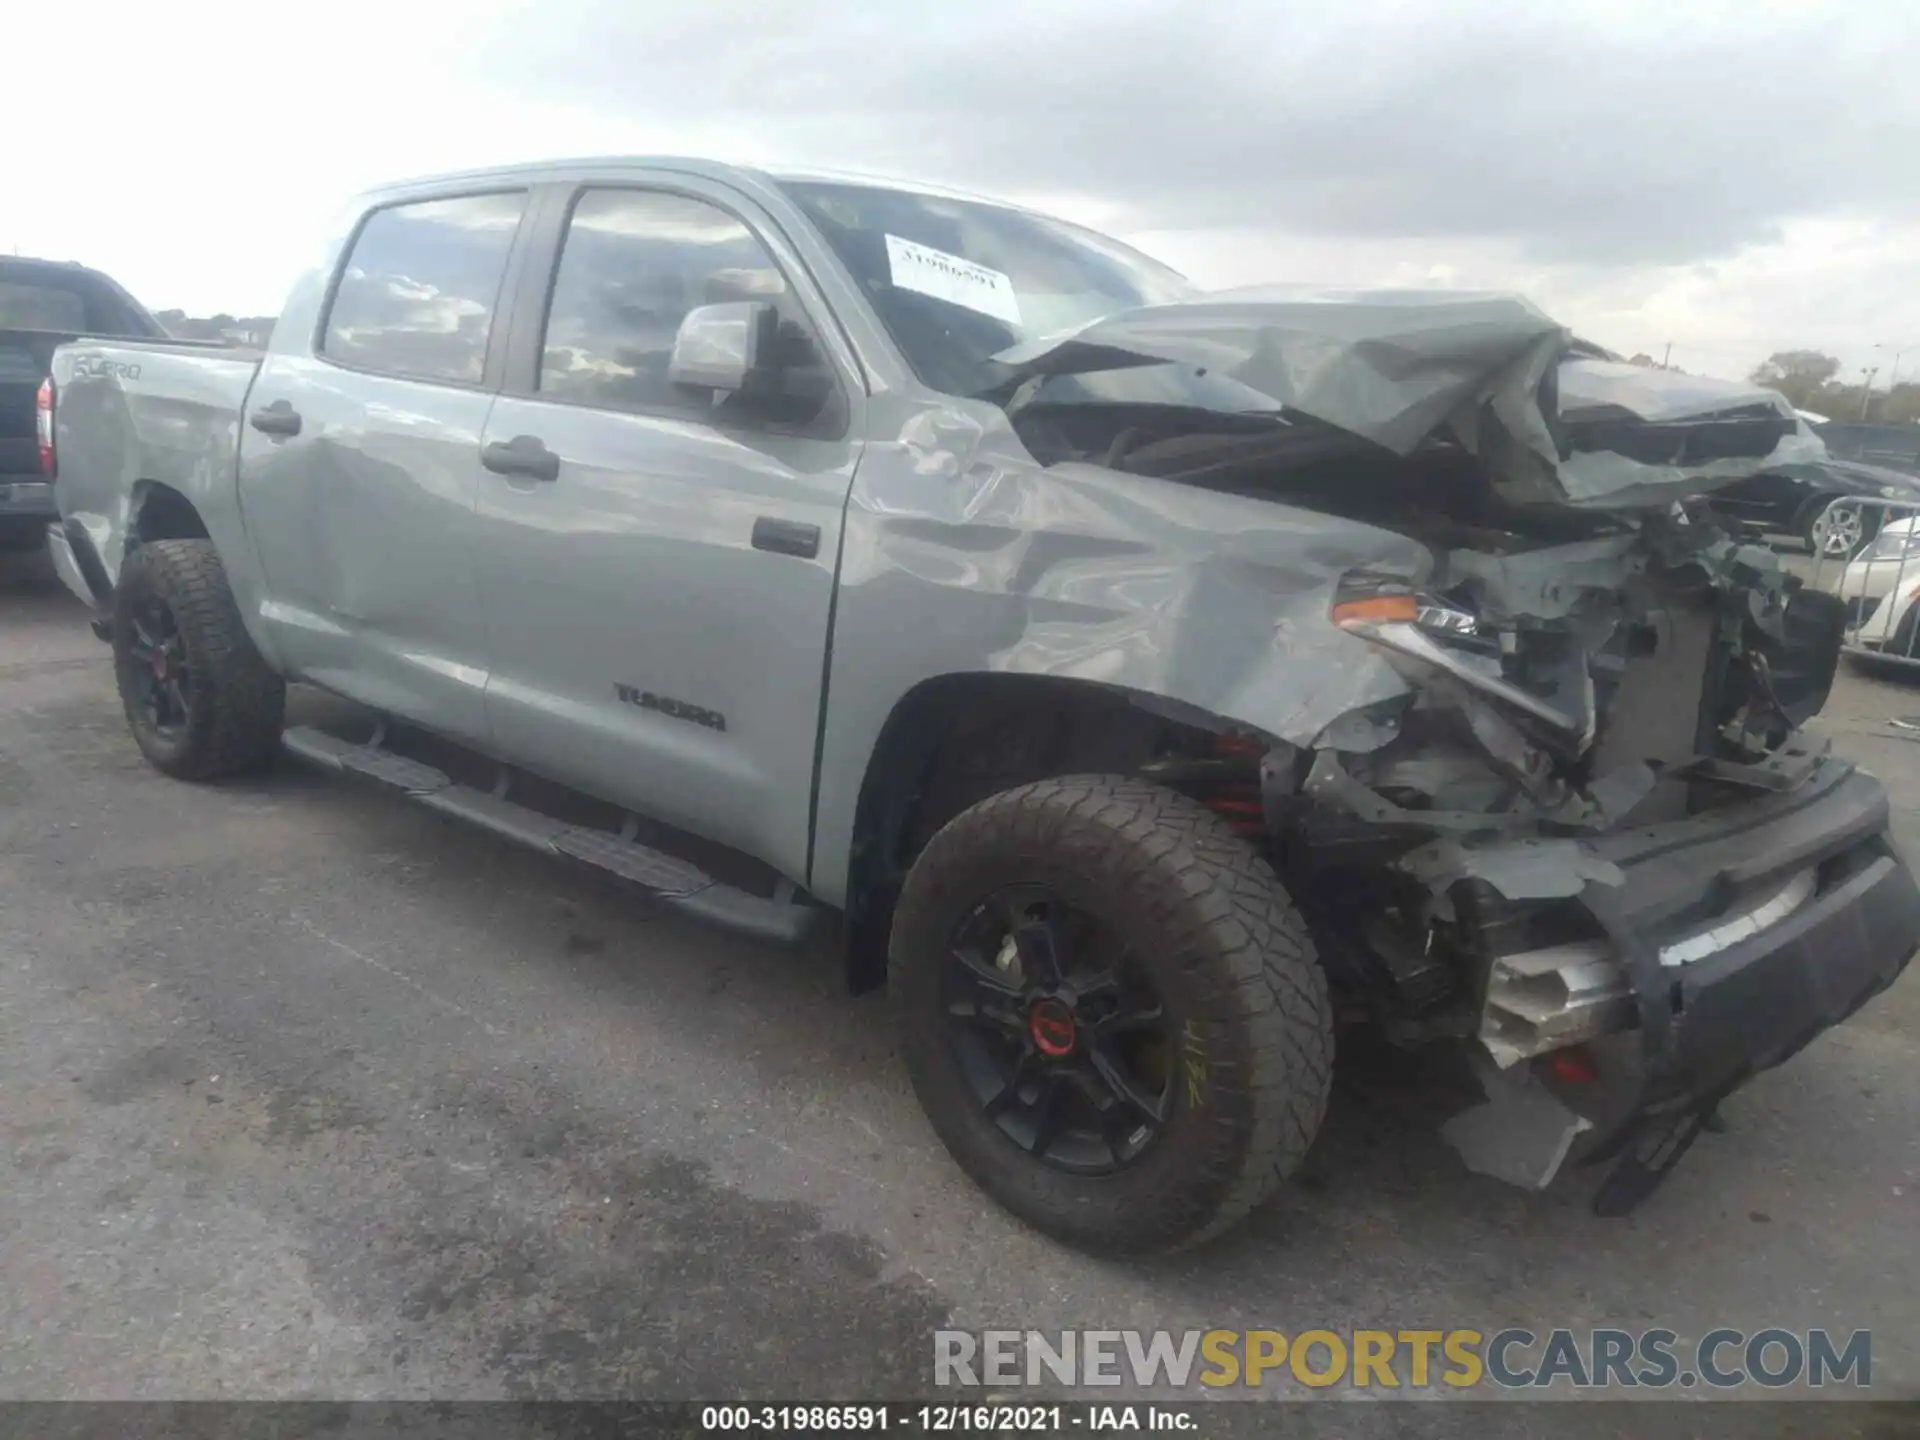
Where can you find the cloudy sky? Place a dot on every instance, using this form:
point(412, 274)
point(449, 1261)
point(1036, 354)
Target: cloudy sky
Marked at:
point(1729, 178)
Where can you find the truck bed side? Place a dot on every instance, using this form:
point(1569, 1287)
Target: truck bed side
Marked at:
point(136, 418)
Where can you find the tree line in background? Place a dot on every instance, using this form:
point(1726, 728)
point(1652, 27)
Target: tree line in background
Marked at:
point(1810, 380)
point(251, 330)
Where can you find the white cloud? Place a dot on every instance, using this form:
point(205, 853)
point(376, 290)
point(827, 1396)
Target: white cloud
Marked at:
point(1732, 179)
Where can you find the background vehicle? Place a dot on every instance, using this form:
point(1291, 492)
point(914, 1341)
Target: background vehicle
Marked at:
point(1881, 586)
point(44, 303)
point(1797, 500)
point(1143, 697)
point(1891, 447)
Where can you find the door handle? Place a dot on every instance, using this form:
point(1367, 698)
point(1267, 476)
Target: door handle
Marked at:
point(526, 456)
point(279, 418)
point(786, 537)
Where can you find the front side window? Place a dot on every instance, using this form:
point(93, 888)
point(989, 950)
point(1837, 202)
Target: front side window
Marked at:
point(420, 288)
point(633, 263)
point(957, 281)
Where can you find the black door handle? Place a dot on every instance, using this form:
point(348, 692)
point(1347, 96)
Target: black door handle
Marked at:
point(279, 418)
point(786, 537)
point(524, 455)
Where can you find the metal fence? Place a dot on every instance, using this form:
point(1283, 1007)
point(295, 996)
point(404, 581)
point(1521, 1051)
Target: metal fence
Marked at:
point(1872, 562)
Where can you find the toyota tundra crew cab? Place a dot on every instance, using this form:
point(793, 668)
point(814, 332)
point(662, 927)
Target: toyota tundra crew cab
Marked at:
point(1154, 681)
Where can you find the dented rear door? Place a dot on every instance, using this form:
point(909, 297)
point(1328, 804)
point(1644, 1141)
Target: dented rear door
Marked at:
point(360, 461)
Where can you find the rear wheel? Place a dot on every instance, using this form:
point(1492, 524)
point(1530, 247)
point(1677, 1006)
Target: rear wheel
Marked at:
point(1113, 1014)
point(200, 700)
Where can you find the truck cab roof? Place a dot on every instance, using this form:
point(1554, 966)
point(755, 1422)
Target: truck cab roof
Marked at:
point(536, 171)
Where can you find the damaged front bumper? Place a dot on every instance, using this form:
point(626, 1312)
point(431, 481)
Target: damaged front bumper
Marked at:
point(1735, 937)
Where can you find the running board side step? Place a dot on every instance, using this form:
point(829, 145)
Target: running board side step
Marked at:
point(675, 883)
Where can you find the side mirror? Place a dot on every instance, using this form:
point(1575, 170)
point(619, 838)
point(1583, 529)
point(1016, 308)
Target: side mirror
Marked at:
point(729, 347)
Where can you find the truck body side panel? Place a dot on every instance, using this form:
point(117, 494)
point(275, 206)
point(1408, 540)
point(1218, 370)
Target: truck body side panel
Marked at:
point(362, 525)
point(657, 616)
point(130, 416)
point(361, 520)
point(965, 556)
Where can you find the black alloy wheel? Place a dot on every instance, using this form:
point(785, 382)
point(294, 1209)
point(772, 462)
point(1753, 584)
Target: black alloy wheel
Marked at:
point(154, 670)
point(1112, 1012)
point(1063, 1042)
point(198, 696)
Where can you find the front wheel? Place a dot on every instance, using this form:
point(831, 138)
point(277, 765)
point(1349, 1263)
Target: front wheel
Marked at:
point(200, 700)
point(1114, 1016)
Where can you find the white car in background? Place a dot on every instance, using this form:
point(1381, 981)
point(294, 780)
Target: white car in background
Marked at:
point(1881, 586)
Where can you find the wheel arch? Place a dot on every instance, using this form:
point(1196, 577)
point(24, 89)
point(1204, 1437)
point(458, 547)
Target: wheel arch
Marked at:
point(954, 739)
point(158, 511)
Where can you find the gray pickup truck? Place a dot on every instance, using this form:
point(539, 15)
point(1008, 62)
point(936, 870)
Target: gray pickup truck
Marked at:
point(1155, 682)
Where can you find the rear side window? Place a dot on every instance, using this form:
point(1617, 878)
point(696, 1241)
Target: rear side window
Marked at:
point(41, 307)
point(421, 285)
point(633, 264)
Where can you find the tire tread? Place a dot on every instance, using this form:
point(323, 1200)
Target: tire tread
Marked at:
point(245, 702)
point(1220, 906)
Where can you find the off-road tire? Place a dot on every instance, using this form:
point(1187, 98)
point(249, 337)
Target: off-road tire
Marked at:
point(239, 704)
point(1229, 955)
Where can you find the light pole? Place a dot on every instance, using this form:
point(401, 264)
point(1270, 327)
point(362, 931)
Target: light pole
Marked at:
point(1866, 390)
point(1893, 374)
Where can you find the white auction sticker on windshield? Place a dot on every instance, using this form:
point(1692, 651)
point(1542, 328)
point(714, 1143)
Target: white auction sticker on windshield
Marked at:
point(928, 271)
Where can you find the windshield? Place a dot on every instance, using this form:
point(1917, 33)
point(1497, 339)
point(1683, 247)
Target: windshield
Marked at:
point(957, 281)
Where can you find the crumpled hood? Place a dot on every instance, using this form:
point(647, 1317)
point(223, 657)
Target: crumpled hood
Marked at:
point(1553, 420)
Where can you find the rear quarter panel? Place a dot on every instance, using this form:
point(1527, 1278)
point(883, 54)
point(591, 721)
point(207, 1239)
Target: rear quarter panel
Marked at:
point(128, 417)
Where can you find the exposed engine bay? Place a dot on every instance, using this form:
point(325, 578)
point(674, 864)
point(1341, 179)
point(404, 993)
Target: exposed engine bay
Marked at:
point(1571, 669)
point(1569, 673)
point(1588, 653)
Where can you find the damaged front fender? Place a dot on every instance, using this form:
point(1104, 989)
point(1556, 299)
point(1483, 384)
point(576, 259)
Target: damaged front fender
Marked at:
point(962, 556)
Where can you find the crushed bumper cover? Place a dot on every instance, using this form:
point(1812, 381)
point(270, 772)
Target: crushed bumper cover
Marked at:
point(1709, 1021)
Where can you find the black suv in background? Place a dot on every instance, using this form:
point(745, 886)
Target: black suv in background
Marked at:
point(44, 304)
point(1797, 499)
